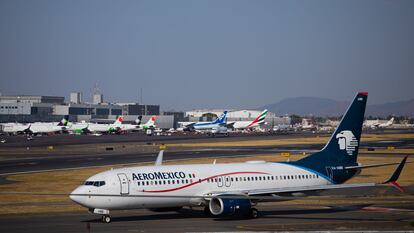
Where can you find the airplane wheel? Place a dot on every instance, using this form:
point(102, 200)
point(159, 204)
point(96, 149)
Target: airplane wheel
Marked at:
point(254, 213)
point(106, 219)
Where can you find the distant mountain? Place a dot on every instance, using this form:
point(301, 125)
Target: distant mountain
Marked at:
point(328, 107)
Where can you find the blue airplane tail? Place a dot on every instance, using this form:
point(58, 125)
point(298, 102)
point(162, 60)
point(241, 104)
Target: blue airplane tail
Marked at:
point(221, 119)
point(342, 148)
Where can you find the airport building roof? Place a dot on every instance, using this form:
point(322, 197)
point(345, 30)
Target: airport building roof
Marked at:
point(32, 99)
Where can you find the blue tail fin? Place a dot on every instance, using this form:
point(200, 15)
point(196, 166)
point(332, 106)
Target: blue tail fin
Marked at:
point(342, 148)
point(221, 119)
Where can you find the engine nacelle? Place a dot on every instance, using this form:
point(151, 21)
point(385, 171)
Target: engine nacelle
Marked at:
point(230, 206)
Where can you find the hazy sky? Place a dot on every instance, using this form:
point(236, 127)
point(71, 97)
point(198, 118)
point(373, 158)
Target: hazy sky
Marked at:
point(215, 54)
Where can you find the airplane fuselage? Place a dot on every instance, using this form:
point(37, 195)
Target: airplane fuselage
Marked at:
point(189, 180)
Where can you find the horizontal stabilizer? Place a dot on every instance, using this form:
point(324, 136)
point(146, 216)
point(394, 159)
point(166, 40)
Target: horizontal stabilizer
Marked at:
point(394, 177)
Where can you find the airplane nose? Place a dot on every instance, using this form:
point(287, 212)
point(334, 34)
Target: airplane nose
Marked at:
point(78, 197)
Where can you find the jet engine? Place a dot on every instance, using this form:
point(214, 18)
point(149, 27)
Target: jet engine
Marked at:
point(221, 206)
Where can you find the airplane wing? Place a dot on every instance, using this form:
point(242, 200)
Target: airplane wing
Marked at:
point(292, 190)
point(230, 125)
point(190, 126)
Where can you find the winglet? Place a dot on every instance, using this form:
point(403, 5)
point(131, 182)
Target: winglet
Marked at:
point(394, 177)
point(158, 162)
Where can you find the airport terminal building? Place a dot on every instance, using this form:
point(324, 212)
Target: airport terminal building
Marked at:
point(30, 108)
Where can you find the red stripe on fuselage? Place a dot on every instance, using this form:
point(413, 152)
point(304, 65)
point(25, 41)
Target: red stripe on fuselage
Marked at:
point(199, 181)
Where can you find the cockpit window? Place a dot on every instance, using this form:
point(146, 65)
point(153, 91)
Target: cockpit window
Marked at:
point(95, 183)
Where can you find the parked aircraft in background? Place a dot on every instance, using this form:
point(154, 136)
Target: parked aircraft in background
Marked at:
point(374, 124)
point(78, 128)
point(306, 125)
point(259, 120)
point(15, 128)
point(386, 124)
point(202, 125)
point(106, 128)
point(233, 189)
point(41, 128)
point(149, 125)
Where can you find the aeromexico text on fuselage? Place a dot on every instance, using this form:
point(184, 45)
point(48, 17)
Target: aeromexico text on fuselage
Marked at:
point(160, 176)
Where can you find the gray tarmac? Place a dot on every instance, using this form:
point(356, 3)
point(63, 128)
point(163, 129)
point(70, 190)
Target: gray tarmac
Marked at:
point(33, 162)
point(273, 217)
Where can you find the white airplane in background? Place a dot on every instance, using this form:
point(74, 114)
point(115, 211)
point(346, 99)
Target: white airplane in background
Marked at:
point(373, 124)
point(35, 128)
point(48, 127)
point(207, 125)
point(386, 124)
point(232, 189)
point(130, 127)
point(106, 128)
point(15, 128)
point(149, 125)
point(259, 120)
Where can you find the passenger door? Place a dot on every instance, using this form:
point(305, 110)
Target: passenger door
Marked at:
point(123, 179)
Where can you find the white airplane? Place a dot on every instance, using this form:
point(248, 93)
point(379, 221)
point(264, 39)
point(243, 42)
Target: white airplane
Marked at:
point(232, 189)
point(386, 124)
point(34, 128)
point(374, 124)
point(48, 127)
point(130, 127)
point(106, 128)
point(15, 128)
point(306, 125)
point(78, 128)
point(149, 125)
point(259, 120)
point(207, 125)
point(45, 128)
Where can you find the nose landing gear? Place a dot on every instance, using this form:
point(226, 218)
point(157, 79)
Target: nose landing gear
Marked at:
point(106, 218)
